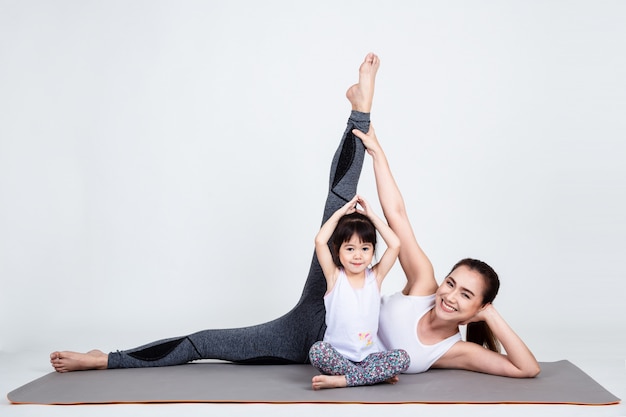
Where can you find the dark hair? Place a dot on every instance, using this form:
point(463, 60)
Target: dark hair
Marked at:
point(479, 332)
point(349, 225)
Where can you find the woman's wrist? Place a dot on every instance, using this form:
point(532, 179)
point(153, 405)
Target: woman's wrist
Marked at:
point(489, 314)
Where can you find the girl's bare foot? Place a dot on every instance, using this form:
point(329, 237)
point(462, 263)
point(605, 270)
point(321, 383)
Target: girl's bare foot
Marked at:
point(329, 381)
point(361, 94)
point(73, 361)
point(393, 380)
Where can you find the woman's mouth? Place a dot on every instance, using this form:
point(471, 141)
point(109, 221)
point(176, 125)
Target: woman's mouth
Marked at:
point(447, 307)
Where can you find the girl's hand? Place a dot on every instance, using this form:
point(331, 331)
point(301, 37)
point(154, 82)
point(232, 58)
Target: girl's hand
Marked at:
point(349, 207)
point(365, 207)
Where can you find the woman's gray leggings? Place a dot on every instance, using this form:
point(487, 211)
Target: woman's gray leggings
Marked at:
point(286, 339)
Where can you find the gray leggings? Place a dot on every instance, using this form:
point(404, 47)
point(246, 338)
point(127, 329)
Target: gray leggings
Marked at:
point(286, 339)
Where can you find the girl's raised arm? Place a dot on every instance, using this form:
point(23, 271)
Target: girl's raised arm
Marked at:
point(324, 256)
point(416, 265)
point(392, 241)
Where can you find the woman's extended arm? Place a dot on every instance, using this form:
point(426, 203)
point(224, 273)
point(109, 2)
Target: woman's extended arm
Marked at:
point(416, 265)
point(518, 362)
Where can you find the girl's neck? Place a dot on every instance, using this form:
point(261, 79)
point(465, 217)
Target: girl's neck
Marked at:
point(360, 275)
point(356, 281)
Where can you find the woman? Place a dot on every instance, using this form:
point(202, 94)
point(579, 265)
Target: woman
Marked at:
point(288, 338)
point(424, 318)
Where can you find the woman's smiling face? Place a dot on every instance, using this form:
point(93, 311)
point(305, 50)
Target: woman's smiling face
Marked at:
point(460, 296)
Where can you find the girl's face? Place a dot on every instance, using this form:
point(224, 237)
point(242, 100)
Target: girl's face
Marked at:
point(460, 296)
point(355, 255)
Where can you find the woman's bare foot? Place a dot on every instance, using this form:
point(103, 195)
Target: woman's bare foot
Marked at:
point(73, 361)
point(329, 381)
point(361, 94)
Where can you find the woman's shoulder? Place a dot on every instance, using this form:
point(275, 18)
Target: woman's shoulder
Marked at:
point(408, 299)
point(413, 296)
point(422, 288)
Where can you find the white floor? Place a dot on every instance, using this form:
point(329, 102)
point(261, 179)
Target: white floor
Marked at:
point(602, 357)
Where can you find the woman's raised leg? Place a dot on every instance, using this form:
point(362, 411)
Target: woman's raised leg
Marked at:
point(288, 338)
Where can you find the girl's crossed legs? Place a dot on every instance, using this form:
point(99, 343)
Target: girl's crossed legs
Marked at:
point(341, 372)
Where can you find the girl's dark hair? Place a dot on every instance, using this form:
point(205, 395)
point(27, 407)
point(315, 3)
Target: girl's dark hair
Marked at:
point(348, 225)
point(479, 332)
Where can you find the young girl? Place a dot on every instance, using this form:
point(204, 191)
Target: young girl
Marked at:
point(350, 354)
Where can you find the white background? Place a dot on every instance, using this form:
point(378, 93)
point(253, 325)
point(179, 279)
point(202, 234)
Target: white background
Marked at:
point(164, 164)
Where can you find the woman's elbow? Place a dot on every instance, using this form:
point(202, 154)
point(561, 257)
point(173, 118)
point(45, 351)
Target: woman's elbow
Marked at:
point(531, 372)
point(535, 371)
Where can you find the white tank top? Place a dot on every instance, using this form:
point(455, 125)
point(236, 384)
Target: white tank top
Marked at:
point(352, 317)
point(399, 315)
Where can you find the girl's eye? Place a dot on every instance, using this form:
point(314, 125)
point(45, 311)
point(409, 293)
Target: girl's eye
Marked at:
point(466, 295)
point(449, 283)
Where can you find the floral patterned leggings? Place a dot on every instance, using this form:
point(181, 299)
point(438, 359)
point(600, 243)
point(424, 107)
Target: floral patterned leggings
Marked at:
point(376, 367)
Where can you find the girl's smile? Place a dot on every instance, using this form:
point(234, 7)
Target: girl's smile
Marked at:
point(355, 255)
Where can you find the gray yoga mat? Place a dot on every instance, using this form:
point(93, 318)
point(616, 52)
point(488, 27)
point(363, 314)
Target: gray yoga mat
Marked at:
point(559, 383)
